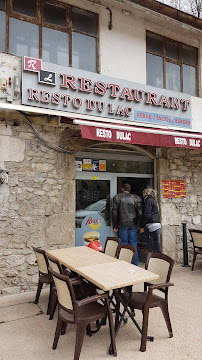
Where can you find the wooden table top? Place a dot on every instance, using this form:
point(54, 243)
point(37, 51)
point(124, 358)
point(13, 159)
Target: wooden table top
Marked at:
point(80, 256)
point(115, 275)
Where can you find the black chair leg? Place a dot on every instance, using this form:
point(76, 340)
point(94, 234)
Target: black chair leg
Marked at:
point(64, 327)
point(194, 259)
point(57, 332)
point(164, 309)
point(88, 330)
point(49, 300)
point(54, 302)
point(144, 329)
point(40, 285)
point(80, 332)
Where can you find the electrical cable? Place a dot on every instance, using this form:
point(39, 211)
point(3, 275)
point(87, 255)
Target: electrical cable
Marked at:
point(60, 150)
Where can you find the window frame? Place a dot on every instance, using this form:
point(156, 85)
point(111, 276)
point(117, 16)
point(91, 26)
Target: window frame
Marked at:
point(174, 61)
point(40, 21)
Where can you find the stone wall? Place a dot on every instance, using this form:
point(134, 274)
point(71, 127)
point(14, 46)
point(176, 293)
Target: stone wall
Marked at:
point(181, 164)
point(37, 205)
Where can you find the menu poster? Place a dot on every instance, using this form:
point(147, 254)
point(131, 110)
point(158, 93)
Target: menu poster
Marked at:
point(173, 188)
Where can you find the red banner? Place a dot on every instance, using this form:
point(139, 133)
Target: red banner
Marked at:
point(140, 137)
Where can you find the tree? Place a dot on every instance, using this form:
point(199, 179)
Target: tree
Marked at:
point(196, 8)
point(193, 7)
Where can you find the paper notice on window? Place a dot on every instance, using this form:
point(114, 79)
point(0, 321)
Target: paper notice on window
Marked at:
point(87, 167)
point(87, 161)
point(78, 165)
point(102, 165)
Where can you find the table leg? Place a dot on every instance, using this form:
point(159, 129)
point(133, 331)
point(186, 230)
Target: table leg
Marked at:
point(119, 318)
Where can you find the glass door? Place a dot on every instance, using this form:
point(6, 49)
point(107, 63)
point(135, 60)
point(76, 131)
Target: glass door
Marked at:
point(93, 208)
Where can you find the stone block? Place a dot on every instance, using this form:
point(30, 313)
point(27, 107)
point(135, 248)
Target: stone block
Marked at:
point(11, 149)
point(5, 130)
point(197, 220)
point(170, 214)
point(11, 290)
point(60, 228)
point(15, 260)
point(169, 241)
point(31, 259)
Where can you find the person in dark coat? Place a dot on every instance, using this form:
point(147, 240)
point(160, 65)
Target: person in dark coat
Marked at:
point(151, 219)
point(126, 212)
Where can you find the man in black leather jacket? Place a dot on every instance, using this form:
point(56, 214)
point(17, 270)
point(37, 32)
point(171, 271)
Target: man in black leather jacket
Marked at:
point(126, 212)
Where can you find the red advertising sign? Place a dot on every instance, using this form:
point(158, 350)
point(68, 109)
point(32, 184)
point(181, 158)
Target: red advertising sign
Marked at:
point(141, 137)
point(174, 188)
point(32, 64)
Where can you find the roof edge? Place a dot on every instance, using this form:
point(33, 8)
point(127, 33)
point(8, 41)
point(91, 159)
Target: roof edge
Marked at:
point(169, 11)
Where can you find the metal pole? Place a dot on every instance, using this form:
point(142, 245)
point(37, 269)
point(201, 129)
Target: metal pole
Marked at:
point(185, 250)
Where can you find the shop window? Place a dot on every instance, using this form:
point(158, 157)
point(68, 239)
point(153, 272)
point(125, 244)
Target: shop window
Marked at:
point(171, 65)
point(55, 46)
point(55, 32)
point(25, 7)
point(24, 38)
point(83, 37)
point(2, 30)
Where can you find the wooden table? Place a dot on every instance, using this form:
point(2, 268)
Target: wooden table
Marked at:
point(105, 272)
point(115, 274)
point(102, 270)
point(81, 256)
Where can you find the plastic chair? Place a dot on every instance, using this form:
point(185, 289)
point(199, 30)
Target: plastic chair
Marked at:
point(55, 265)
point(162, 265)
point(44, 274)
point(127, 253)
point(112, 245)
point(196, 236)
point(79, 312)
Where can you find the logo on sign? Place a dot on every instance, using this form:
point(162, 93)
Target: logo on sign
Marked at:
point(47, 77)
point(93, 223)
point(31, 64)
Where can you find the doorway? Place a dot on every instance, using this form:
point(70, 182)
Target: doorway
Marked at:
point(96, 188)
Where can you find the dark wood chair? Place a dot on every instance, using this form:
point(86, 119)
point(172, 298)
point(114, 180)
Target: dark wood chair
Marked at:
point(196, 237)
point(44, 275)
point(162, 265)
point(79, 312)
point(126, 253)
point(76, 281)
point(112, 245)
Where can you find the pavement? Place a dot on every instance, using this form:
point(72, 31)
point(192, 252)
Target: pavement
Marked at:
point(26, 333)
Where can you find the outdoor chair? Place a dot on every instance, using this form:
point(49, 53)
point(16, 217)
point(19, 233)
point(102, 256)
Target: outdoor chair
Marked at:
point(55, 265)
point(196, 236)
point(44, 274)
point(162, 265)
point(126, 253)
point(79, 312)
point(112, 245)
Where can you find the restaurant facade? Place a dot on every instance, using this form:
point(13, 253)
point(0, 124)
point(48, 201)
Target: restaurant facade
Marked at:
point(94, 95)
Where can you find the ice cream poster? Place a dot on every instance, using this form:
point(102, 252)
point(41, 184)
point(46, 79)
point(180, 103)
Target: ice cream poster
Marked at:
point(93, 228)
